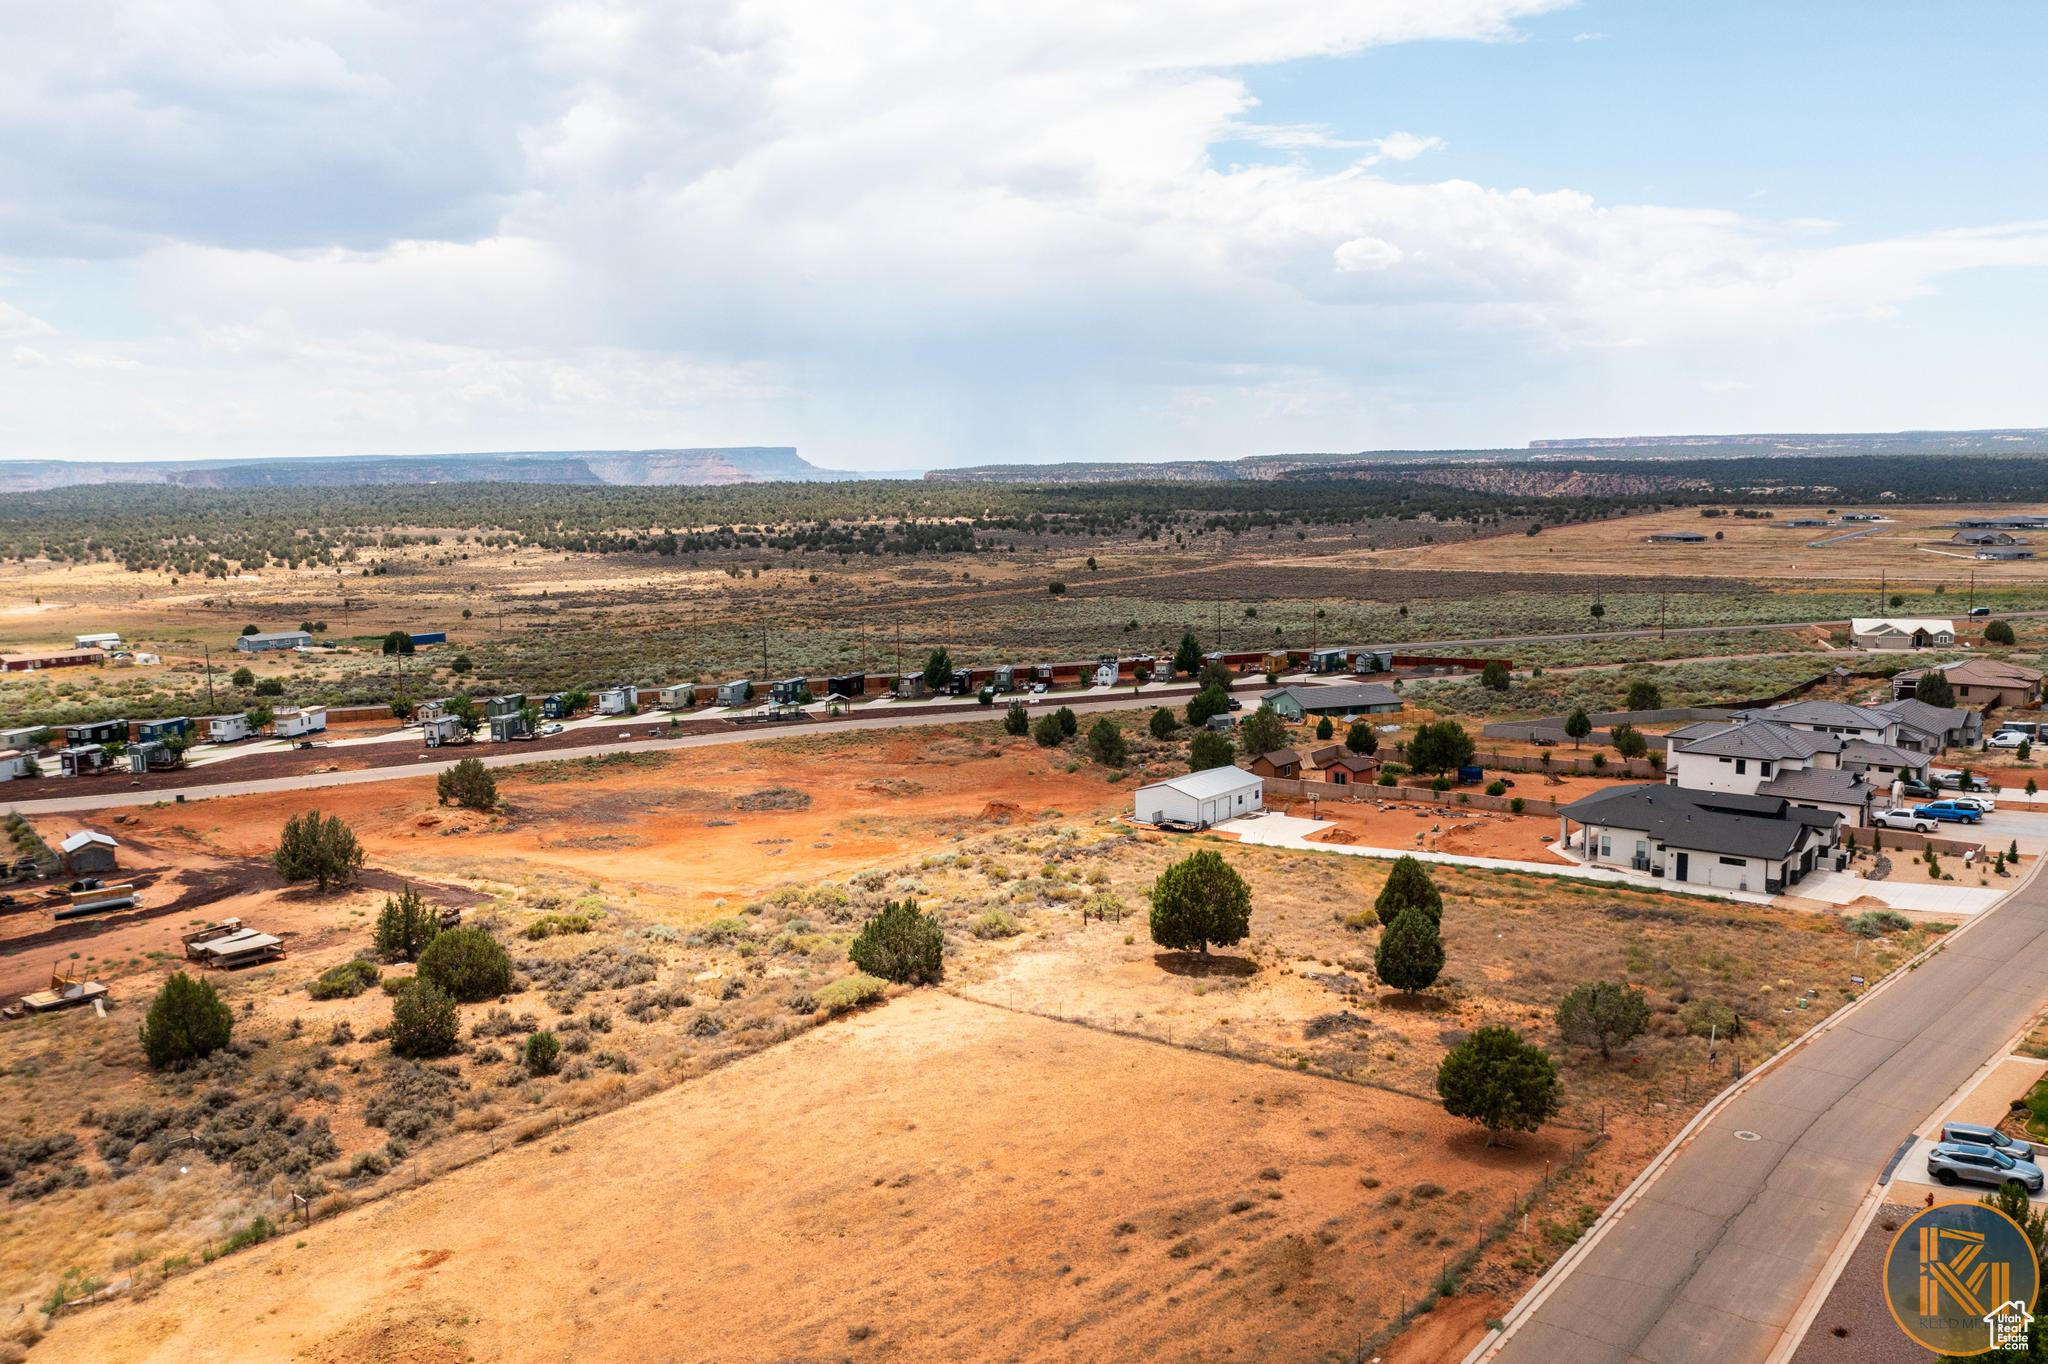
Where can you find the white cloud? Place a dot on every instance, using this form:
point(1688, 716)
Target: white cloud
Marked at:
point(896, 233)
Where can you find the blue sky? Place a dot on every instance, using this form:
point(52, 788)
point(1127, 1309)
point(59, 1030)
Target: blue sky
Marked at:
point(908, 235)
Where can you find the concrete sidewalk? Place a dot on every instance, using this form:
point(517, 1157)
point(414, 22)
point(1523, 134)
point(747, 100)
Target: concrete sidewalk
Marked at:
point(1291, 831)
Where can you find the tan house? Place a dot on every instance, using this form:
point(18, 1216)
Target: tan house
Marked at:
point(1979, 682)
point(1902, 632)
point(1284, 763)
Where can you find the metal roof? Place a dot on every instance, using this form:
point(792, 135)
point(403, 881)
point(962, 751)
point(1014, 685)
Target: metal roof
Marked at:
point(1210, 783)
point(1342, 696)
point(82, 838)
point(1704, 821)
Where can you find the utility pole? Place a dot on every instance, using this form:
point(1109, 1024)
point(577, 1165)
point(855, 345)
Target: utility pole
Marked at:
point(764, 651)
point(209, 675)
point(1973, 591)
point(1880, 594)
point(1660, 615)
point(899, 649)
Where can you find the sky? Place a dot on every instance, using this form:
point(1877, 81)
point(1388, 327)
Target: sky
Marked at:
point(908, 235)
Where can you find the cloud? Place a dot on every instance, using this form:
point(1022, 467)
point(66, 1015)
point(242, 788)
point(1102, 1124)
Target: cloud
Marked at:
point(892, 234)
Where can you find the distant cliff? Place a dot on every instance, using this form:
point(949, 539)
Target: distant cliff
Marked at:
point(619, 468)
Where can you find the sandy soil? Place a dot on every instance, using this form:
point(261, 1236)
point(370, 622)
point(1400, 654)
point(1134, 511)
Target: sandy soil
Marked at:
point(1431, 828)
point(945, 1180)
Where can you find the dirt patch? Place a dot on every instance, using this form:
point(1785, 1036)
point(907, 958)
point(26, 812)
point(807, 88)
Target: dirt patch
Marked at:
point(946, 1180)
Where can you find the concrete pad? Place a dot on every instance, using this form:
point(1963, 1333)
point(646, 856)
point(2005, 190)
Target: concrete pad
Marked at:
point(1841, 887)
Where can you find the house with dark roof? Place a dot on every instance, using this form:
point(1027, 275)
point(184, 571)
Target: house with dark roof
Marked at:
point(1832, 717)
point(1930, 729)
point(1758, 844)
point(1345, 698)
point(1851, 795)
point(1739, 755)
point(1284, 763)
point(1883, 763)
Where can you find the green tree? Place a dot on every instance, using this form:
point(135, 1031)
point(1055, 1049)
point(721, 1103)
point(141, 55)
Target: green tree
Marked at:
point(1209, 749)
point(397, 642)
point(1628, 741)
point(1263, 731)
point(423, 1021)
point(1162, 724)
point(541, 1052)
point(405, 926)
point(1016, 720)
point(1408, 886)
point(1494, 676)
point(468, 784)
point(1998, 632)
point(1047, 732)
point(1604, 1014)
point(186, 1021)
point(258, 716)
point(1217, 675)
point(403, 708)
point(1070, 724)
point(902, 944)
point(1643, 694)
point(1106, 743)
point(1187, 659)
point(1360, 739)
point(460, 664)
point(1206, 704)
point(1440, 746)
point(468, 963)
point(1578, 725)
point(1200, 900)
point(1410, 954)
point(466, 712)
point(243, 677)
point(323, 851)
point(270, 686)
point(1499, 1081)
point(1325, 728)
point(1933, 688)
point(938, 670)
point(248, 630)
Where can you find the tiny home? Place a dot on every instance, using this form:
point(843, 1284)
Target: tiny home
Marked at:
point(298, 721)
point(441, 730)
point(98, 732)
point(508, 727)
point(847, 684)
point(28, 738)
point(1042, 672)
point(429, 709)
point(511, 703)
point(910, 686)
point(179, 727)
point(1277, 661)
point(789, 691)
point(79, 762)
point(735, 693)
point(555, 706)
point(678, 696)
point(14, 763)
point(1329, 660)
point(961, 682)
point(1105, 673)
point(226, 729)
point(150, 755)
point(619, 700)
point(87, 852)
point(1005, 680)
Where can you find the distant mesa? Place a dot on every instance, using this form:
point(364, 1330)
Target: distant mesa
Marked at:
point(709, 466)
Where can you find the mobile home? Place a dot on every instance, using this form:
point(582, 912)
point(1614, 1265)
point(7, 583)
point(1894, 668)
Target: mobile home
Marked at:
point(28, 738)
point(226, 729)
point(273, 641)
point(14, 763)
point(299, 721)
point(98, 732)
point(108, 640)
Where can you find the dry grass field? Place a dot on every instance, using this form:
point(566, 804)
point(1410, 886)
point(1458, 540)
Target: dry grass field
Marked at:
point(1004, 1136)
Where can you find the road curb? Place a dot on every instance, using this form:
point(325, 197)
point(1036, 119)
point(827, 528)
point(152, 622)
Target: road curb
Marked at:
point(1525, 1307)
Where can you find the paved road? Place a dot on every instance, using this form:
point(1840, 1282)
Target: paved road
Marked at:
point(109, 798)
point(1710, 1262)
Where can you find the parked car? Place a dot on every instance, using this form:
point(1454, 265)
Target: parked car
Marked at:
point(1236, 704)
point(1973, 784)
point(1916, 790)
point(1904, 818)
point(552, 728)
point(1038, 689)
point(1979, 1135)
point(2008, 738)
point(1983, 802)
point(1951, 811)
point(1962, 1162)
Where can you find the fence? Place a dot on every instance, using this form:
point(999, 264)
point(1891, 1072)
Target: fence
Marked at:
point(1362, 793)
point(1578, 764)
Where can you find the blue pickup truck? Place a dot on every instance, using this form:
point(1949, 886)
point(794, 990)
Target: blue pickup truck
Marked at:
point(1950, 810)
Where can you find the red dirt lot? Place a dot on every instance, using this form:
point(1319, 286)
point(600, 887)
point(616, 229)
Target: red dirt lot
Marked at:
point(933, 1179)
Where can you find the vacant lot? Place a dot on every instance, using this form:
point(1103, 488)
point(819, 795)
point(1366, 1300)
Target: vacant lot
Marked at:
point(936, 1179)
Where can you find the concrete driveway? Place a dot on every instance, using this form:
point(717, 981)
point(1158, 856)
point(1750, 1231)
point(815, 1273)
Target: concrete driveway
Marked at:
point(1708, 1257)
point(1841, 887)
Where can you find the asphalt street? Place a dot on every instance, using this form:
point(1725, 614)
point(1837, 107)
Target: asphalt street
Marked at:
point(1710, 1262)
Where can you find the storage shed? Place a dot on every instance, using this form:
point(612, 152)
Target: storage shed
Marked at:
point(1200, 799)
point(87, 852)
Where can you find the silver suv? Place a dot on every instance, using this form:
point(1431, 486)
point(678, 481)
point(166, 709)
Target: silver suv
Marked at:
point(1979, 1135)
point(1963, 1162)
